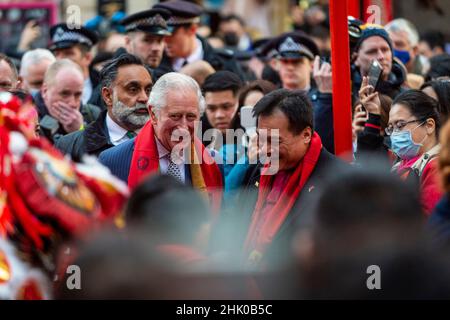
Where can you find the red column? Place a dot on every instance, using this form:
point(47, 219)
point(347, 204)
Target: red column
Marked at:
point(354, 8)
point(340, 54)
point(388, 9)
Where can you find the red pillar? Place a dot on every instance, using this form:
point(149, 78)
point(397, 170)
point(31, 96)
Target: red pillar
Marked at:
point(340, 55)
point(354, 8)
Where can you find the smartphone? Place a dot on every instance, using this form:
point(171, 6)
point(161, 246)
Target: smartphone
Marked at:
point(247, 119)
point(375, 73)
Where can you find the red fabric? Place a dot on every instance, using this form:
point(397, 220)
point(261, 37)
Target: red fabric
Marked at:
point(430, 188)
point(369, 125)
point(258, 240)
point(145, 161)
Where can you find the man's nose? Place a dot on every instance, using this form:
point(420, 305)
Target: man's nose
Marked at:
point(381, 55)
point(143, 97)
point(220, 113)
point(73, 102)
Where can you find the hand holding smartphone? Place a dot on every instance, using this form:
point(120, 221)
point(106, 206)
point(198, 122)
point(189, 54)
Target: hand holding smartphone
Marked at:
point(375, 73)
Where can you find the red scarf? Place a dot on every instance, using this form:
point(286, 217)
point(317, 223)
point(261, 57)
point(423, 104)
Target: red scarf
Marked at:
point(205, 176)
point(257, 242)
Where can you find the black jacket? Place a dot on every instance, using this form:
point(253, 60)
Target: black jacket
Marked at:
point(51, 128)
point(92, 140)
point(219, 59)
point(231, 230)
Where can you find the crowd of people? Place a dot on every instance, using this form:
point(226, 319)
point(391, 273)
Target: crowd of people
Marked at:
point(171, 165)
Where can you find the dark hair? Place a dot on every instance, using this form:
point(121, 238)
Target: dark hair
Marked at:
point(442, 89)
point(384, 214)
point(385, 108)
point(434, 38)
point(421, 106)
point(231, 17)
point(262, 86)
point(170, 210)
point(294, 104)
point(222, 81)
point(358, 196)
point(109, 72)
point(11, 64)
point(439, 67)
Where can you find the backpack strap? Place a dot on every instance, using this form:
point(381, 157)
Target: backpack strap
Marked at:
point(422, 162)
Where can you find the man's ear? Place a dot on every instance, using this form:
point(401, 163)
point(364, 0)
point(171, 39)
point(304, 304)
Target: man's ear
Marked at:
point(355, 58)
point(153, 117)
point(44, 90)
point(128, 42)
point(275, 64)
point(19, 83)
point(193, 29)
point(107, 96)
point(88, 57)
point(307, 135)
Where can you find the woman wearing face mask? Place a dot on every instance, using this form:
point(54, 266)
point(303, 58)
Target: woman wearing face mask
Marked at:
point(414, 123)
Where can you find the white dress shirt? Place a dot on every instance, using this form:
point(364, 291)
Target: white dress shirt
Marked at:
point(164, 161)
point(195, 56)
point(87, 91)
point(116, 133)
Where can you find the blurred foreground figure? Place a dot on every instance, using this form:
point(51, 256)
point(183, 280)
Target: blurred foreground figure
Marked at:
point(173, 217)
point(44, 199)
point(365, 221)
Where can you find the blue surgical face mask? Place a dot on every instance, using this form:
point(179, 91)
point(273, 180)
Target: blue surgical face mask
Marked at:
point(403, 56)
point(34, 92)
point(404, 146)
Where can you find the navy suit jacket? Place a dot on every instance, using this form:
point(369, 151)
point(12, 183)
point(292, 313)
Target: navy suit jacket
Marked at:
point(118, 160)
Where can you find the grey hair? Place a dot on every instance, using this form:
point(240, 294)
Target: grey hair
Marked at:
point(59, 65)
point(404, 25)
point(35, 57)
point(173, 81)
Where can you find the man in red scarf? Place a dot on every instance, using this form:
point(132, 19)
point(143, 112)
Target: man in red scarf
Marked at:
point(275, 203)
point(167, 143)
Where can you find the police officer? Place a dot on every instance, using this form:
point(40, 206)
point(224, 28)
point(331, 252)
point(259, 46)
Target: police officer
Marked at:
point(146, 31)
point(184, 46)
point(76, 44)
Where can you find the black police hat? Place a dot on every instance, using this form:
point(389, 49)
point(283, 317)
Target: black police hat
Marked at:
point(63, 37)
point(183, 12)
point(296, 45)
point(152, 21)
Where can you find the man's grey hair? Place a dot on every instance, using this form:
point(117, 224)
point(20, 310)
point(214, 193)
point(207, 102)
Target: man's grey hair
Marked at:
point(59, 65)
point(34, 57)
point(404, 25)
point(177, 82)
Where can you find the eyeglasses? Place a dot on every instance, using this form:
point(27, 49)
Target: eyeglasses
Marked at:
point(399, 125)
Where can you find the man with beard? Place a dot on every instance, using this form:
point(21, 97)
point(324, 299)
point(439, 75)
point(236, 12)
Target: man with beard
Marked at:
point(126, 86)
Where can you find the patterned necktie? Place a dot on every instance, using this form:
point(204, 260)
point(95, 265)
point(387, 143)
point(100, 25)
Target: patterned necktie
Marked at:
point(131, 134)
point(173, 170)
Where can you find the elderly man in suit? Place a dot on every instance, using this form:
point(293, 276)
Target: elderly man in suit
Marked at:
point(167, 144)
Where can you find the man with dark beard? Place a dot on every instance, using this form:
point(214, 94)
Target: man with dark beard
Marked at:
point(126, 86)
